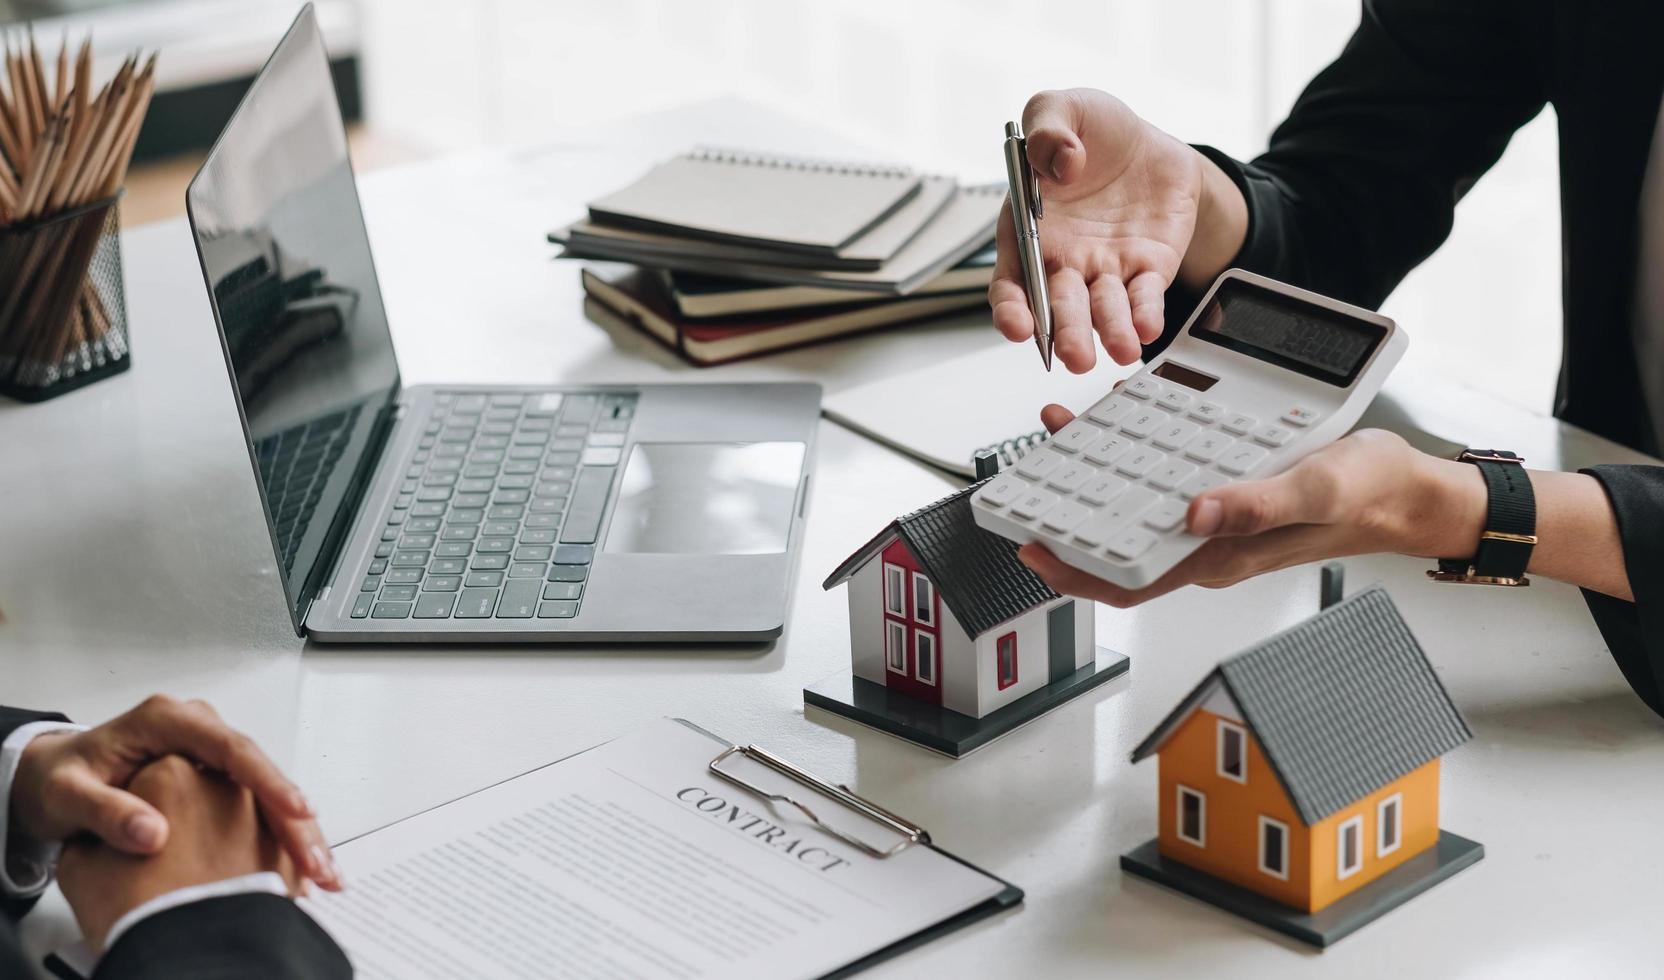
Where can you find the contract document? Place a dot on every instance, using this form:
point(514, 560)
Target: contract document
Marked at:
point(635, 860)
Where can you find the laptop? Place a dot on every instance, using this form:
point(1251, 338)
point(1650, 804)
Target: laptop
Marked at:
point(468, 513)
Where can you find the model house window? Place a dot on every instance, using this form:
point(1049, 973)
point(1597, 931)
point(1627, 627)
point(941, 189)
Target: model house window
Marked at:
point(924, 600)
point(1349, 848)
point(925, 646)
point(1233, 751)
point(1387, 815)
point(1005, 660)
point(1193, 816)
point(1274, 848)
point(895, 592)
point(895, 647)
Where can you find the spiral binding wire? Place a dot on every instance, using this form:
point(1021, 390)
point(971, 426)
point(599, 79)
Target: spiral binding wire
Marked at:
point(1015, 448)
point(745, 158)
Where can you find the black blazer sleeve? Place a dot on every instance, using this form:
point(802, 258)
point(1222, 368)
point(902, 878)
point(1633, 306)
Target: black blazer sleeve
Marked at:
point(1634, 631)
point(249, 937)
point(1360, 182)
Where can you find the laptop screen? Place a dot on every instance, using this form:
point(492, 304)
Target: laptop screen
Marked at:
point(287, 264)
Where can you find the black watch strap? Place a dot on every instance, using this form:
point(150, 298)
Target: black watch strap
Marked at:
point(1510, 532)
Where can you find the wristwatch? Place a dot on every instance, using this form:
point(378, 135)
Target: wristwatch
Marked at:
point(1510, 527)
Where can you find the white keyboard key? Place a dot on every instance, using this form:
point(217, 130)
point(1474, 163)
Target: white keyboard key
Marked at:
point(1141, 388)
point(1110, 521)
point(1207, 412)
point(1171, 473)
point(1111, 410)
point(1130, 544)
point(606, 438)
point(1239, 425)
point(1173, 400)
point(1142, 424)
point(1001, 491)
point(1166, 515)
point(1102, 490)
point(1138, 463)
point(1207, 446)
point(601, 456)
point(1273, 436)
point(1201, 483)
point(1108, 451)
point(1299, 417)
point(1075, 436)
point(1069, 478)
point(1037, 464)
point(1242, 459)
point(1034, 504)
point(1175, 435)
point(1065, 517)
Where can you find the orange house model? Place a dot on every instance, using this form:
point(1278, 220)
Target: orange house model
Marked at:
point(1305, 771)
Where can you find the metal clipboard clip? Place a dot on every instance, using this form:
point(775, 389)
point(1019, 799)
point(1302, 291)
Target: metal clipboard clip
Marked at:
point(911, 833)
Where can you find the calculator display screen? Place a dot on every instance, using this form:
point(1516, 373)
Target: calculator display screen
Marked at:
point(1288, 332)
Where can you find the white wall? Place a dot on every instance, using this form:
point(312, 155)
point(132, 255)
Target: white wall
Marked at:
point(1033, 654)
point(960, 673)
point(866, 622)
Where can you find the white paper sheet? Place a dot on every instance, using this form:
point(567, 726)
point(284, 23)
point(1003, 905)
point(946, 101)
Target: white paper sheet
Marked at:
point(632, 860)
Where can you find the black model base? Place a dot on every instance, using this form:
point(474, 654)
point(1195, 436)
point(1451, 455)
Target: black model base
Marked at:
point(941, 729)
point(1451, 854)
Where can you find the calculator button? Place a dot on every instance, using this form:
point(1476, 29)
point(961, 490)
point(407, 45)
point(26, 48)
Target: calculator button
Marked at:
point(1069, 478)
point(1113, 519)
point(1108, 451)
point(1102, 490)
point(1130, 544)
point(1065, 517)
point(1273, 436)
point(1139, 463)
point(1173, 400)
point(1300, 417)
point(1207, 412)
point(1239, 425)
point(1110, 410)
point(1075, 437)
point(1241, 459)
point(1142, 424)
point(1175, 435)
point(1171, 474)
point(1001, 492)
point(1038, 464)
point(1207, 446)
point(1201, 483)
point(1141, 388)
point(1166, 515)
point(1033, 504)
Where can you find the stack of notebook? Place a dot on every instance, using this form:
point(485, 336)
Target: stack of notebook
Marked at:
point(732, 255)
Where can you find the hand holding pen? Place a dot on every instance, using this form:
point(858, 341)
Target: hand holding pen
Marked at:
point(1119, 204)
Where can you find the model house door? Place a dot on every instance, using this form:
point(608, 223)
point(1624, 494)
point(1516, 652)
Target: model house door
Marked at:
point(912, 627)
point(1060, 641)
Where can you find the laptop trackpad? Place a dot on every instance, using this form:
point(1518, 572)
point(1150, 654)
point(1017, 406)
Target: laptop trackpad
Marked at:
point(695, 498)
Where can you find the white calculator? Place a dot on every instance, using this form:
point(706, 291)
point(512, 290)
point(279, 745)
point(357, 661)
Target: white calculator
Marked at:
point(1262, 374)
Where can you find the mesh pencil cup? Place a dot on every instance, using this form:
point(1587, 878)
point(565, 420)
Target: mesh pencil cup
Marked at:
point(63, 312)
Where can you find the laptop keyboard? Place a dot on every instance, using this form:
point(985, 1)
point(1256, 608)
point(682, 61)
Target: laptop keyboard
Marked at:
point(499, 509)
point(294, 465)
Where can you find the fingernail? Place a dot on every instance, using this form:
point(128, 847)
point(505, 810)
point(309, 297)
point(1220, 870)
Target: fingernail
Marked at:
point(299, 804)
point(323, 866)
point(1209, 513)
point(145, 830)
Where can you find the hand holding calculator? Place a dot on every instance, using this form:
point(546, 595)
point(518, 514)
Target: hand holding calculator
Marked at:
point(1262, 374)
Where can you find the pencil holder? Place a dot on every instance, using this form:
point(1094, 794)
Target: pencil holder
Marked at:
point(63, 312)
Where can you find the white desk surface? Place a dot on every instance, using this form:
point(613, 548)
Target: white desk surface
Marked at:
point(135, 560)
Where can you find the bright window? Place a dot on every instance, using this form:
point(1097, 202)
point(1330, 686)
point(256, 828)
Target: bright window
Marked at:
point(1349, 847)
point(924, 644)
point(1388, 835)
point(924, 600)
point(895, 647)
point(1274, 848)
point(1233, 751)
point(1192, 816)
point(1005, 660)
point(895, 593)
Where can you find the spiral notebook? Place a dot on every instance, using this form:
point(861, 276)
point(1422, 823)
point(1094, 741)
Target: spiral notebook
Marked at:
point(786, 203)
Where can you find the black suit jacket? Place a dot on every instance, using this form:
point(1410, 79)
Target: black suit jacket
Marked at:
point(261, 937)
point(1361, 181)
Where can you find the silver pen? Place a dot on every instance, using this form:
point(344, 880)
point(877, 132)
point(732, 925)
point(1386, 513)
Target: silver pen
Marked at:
point(1025, 215)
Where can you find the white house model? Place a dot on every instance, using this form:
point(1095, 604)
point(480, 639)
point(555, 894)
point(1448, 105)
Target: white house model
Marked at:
point(942, 611)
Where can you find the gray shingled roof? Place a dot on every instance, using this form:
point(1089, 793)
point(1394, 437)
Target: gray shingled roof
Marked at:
point(975, 571)
point(1342, 704)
